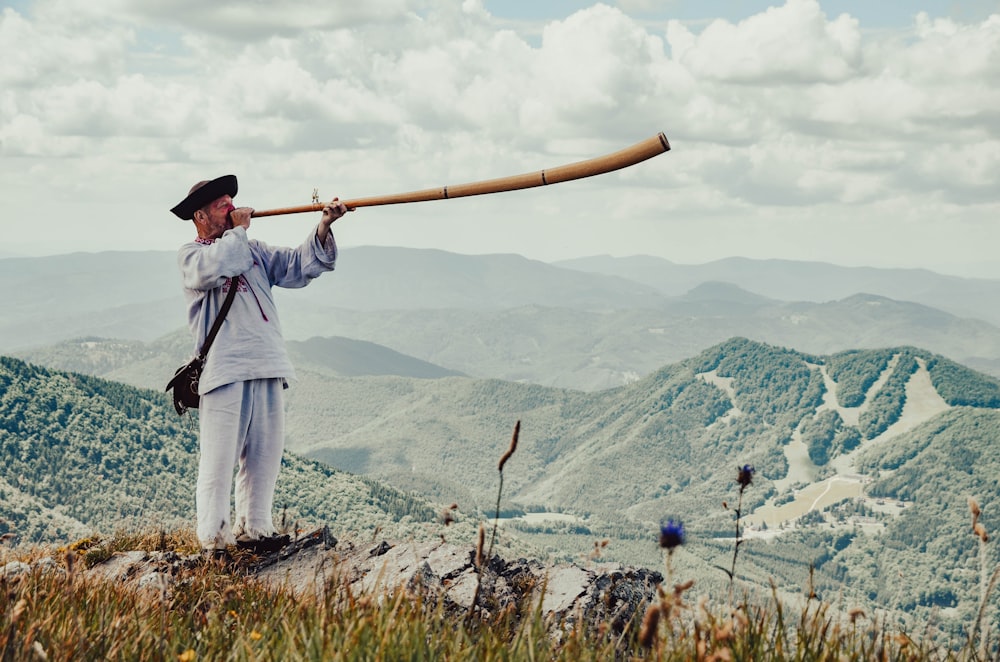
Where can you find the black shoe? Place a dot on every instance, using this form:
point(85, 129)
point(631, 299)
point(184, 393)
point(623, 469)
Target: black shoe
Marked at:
point(264, 545)
point(217, 554)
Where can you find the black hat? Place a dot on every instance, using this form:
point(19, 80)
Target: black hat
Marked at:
point(203, 193)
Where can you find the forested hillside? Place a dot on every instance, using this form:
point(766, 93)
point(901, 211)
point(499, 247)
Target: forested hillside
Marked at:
point(864, 463)
point(824, 433)
point(928, 555)
point(620, 449)
point(80, 455)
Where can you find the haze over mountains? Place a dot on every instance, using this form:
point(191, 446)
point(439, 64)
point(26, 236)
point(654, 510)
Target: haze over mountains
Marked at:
point(789, 280)
point(511, 318)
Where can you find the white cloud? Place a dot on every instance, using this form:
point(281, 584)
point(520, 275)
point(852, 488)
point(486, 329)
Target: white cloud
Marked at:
point(240, 21)
point(43, 51)
point(794, 43)
point(787, 114)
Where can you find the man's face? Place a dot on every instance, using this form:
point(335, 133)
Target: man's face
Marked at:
point(214, 218)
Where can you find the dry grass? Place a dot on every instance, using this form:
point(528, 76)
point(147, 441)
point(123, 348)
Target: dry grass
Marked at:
point(51, 608)
point(209, 611)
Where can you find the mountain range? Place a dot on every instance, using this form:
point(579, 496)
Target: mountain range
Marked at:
point(868, 409)
point(510, 318)
point(790, 280)
point(863, 460)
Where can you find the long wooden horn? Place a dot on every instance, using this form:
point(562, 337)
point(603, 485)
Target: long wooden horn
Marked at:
point(629, 156)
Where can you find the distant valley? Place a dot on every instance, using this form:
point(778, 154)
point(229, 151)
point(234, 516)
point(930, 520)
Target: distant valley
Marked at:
point(506, 317)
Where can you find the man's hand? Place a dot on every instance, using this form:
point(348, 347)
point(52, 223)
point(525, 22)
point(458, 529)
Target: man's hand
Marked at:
point(331, 212)
point(240, 217)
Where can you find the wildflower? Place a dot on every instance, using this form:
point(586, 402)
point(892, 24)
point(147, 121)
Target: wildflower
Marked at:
point(974, 507)
point(19, 609)
point(745, 476)
point(512, 448)
point(647, 635)
point(671, 535)
point(446, 515)
point(977, 527)
point(740, 618)
point(724, 632)
point(187, 656)
point(479, 546)
point(256, 636)
point(598, 546)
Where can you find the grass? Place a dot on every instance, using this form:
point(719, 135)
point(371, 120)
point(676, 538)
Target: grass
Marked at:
point(210, 611)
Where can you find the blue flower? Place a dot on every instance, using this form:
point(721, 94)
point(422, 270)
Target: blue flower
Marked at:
point(671, 534)
point(745, 475)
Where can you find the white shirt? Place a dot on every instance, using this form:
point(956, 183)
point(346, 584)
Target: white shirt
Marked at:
point(249, 344)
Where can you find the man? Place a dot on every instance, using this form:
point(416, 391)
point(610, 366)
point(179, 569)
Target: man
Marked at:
point(241, 387)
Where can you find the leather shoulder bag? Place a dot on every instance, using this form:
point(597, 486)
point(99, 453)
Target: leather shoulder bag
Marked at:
point(187, 377)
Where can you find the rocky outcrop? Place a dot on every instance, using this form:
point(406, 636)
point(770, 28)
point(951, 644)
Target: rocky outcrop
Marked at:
point(567, 595)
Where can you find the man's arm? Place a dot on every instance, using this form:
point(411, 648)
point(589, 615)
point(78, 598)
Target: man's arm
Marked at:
point(207, 267)
point(295, 267)
point(331, 213)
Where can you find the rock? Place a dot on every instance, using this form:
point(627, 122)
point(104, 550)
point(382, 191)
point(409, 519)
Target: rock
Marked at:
point(121, 567)
point(447, 572)
point(566, 594)
point(563, 585)
point(155, 582)
point(14, 569)
point(47, 565)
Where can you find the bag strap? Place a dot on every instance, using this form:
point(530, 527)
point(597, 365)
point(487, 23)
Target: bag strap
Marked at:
point(226, 305)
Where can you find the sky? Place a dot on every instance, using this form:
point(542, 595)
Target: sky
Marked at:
point(857, 133)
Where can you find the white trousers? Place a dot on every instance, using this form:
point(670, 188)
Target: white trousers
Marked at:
point(242, 428)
